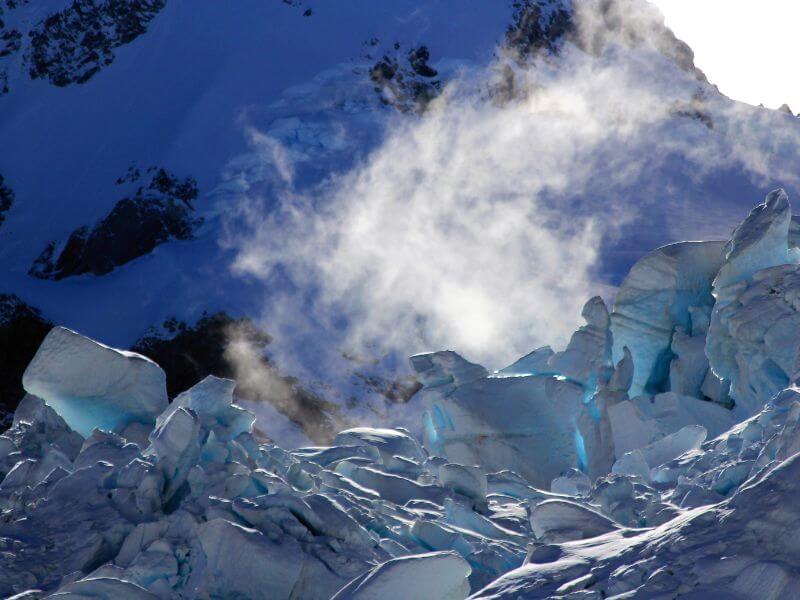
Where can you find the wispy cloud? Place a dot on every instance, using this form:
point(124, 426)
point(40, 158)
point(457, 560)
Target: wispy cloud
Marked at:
point(478, 226)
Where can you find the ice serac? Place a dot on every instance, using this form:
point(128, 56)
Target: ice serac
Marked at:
point(468, 481)
point(175, 445)
point(667, 289)
point(445, 368)
point(432, 576)
point(587, 357)
point(196, 507)
point(751, 341)
point(594, 427)
point(212, 401)
point(571, 483)
point(641, 461)
point(548, 405)
point(739, 547)
point(562, 521)
point(534, 363)
point(753, 338)
point(99, 587)
point(504, 422)
point(640, 421)
point(761, 241)
point(390, 443)
point(94, 386)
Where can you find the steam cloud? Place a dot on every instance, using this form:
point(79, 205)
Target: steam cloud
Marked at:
point(478, 226)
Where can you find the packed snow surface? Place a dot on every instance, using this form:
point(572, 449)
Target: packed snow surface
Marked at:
point(553, 478)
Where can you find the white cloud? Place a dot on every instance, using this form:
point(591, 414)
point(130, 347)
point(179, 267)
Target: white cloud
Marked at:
point(459, 230)
point(478, 226)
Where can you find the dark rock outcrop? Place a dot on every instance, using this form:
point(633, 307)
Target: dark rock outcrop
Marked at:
point(157, 213)
point(632, 23)
point(398, 390)
point(234, 348)
point(6, 199)
point(10, 40)
point(22, 329)
point(537, 25)
point(72, 45)
point(695, 109)
point(540, 28)
point(189, 353)
point(406, 82)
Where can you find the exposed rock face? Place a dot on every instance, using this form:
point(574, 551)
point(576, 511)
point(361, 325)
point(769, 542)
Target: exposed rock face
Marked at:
point(537, 25)
point(223, 346)
point(540, 28)
point(633, 24)
point(189, 353)
point(696, 109)
point(6, 199)
point(406, 82)
point(22, 329)
point(160, 212)
point(72, 45)
point(399, 390)
point(543, 26)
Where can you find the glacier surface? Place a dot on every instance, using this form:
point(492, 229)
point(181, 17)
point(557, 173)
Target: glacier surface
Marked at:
point(560, 476)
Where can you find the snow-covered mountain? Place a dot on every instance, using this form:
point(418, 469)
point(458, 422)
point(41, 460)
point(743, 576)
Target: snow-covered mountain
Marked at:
point(178, 170)
point(297, 196)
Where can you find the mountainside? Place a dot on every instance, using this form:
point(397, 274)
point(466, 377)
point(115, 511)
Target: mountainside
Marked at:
point(166, 160)
point(106, 96)
point(260, 210)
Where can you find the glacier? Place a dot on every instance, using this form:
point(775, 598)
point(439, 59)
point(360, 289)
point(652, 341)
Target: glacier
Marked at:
point(64, 373)
point(559, 476)
point(173, 98)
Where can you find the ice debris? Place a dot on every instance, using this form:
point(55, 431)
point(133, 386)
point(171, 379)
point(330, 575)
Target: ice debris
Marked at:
point(670, 288)
point(656, 456)
point(201, 509)
point(91, 385)
point(432, 576)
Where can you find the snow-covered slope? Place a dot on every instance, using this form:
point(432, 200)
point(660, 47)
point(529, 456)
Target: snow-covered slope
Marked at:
point(164, 161)
point(185, 89)
point(552, 478)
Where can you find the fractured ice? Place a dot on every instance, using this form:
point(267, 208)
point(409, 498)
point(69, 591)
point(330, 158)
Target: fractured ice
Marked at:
point(656, 456)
